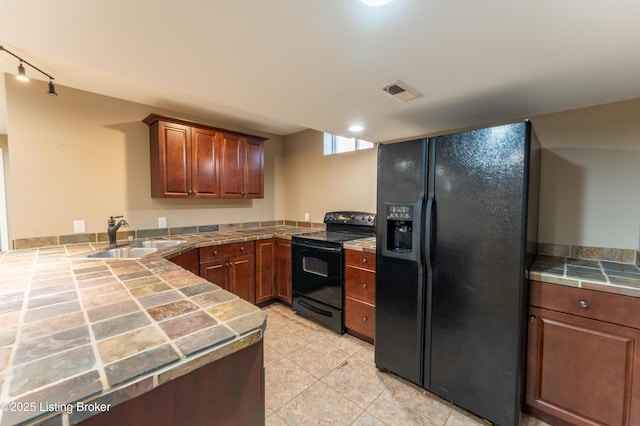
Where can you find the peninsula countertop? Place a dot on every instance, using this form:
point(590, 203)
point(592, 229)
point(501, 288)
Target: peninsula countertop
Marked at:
point(101, 331)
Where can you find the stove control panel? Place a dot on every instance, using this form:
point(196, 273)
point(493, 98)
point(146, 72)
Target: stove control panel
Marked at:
point(350, 218)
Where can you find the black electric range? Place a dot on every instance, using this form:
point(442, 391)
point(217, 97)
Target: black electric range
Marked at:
point(318, 266)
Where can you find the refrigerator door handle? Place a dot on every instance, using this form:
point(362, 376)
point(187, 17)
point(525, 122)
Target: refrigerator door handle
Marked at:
point(427, 233)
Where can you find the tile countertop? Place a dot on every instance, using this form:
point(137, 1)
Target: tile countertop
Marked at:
point(601, 275)
point(105, 331)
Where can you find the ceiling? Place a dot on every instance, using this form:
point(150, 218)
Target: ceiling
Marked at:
point(281, 66)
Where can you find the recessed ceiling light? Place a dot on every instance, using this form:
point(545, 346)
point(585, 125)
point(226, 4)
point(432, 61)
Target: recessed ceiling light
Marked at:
point(356, 128)
point(375, 3)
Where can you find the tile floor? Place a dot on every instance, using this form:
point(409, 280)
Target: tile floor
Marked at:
point(315, 376)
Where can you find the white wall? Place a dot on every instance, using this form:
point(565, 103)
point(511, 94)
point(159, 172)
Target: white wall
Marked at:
point(590, 185)
point(85, 156)
point(316, 183)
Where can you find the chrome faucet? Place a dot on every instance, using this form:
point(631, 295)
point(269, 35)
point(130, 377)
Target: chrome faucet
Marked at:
point(113, 227)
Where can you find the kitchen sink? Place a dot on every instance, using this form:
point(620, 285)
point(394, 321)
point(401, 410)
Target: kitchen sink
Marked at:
point(124, 252)
point(134, 250)
point(158, 244)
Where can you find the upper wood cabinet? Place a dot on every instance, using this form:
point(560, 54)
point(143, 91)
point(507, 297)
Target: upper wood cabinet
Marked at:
point(192, 160)
point(242, 165)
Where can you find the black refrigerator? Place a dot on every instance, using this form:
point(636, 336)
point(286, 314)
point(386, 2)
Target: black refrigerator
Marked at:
point(456, 234)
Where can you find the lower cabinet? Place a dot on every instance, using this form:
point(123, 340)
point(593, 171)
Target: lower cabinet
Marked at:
point(583, 356)
point(229, 391)
point(188, 260)
point(232, 267)
point(284, 289)
point(265, 270)
point(360, 291)
point(258, 271)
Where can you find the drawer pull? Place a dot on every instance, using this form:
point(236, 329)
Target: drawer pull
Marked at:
point(584, 304)
point(364, 319)
point(364, 286)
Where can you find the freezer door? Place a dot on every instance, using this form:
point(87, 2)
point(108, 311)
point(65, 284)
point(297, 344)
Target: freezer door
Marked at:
point(479, 184)
point(400, 272)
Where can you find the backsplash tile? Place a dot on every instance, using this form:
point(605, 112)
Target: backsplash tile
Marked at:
point(77, 239)
point(27, 243)
point(151, 233)
point(208, 228)
point(587, 252)
point(183, 230)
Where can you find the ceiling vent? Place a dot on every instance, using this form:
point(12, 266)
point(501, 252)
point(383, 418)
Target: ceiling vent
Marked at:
point(399, 91)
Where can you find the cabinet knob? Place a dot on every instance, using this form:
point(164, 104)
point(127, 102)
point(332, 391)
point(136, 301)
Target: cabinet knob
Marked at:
point(584, 304)
point(226, 264)
point(364, 286)
point(364, 319)
point(241, 248)
point(364, 260)
point(190, 192)
point(195, 192)
point(215, 252)
point(532, 318)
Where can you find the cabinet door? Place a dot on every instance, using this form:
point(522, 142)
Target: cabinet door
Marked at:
point(283, 271)
point(174, 145)
point(188, 260)
point(242, 276)
point(265, 270)
point(253, 175)
point(216, 272)
point(205, 179)
point(582, 371)
point(231, 166)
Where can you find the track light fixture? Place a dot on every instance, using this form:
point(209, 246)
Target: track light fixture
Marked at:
point(22, 74)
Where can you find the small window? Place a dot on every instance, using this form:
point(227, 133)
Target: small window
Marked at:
point(334, 144)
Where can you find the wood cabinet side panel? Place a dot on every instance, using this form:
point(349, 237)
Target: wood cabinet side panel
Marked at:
point(188, 260)
point(227, 392)
point(265, 270)
point(283, 272)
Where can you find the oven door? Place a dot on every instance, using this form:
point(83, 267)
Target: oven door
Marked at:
point(317, 273)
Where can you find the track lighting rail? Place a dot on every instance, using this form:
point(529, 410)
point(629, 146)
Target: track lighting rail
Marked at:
point(21, 71)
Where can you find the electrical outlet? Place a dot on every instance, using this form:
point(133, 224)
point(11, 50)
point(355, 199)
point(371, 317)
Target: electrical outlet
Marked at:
point(78, 226)
point(162, 222)
point(306, 217)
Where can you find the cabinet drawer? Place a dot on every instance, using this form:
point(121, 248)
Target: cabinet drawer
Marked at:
point(360, 284)
point(226, 250)
point(614, 308)
point(360, 259)
point(360, 317)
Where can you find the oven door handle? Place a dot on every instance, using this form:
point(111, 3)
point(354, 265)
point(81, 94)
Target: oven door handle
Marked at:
point(317, 247)
point(314, 309)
